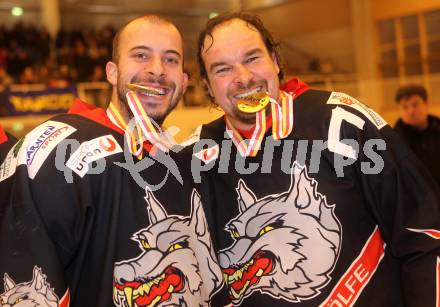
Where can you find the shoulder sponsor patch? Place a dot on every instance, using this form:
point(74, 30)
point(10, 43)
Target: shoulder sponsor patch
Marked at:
point(91, 151)
point(208, 154)
point(338, 98)
point(9, 165)
point(41, 141)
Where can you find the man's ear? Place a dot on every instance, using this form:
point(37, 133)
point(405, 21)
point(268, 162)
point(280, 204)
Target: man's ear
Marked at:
point(185, 81)
point(277, 66)
point(208, 87)
point(111, 70)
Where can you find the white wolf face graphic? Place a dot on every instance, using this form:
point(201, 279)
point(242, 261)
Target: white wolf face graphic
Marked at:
point(177, 266)
point(36, 292)
point(285, 245)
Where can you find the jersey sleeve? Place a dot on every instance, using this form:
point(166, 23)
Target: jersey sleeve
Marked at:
point(38, 231)
point(403, 198)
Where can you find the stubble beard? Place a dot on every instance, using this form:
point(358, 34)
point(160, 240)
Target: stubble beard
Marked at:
point(247, 118)
point(176, 95)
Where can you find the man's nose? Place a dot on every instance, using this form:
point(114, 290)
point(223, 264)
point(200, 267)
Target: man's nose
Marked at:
point(243, 75)
point(411, 111)
point(155, 67)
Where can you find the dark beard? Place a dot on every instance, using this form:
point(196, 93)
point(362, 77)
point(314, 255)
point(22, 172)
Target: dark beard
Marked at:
point(250, 118)
point(244, 117)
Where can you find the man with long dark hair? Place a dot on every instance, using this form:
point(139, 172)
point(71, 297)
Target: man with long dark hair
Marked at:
point(314, 199)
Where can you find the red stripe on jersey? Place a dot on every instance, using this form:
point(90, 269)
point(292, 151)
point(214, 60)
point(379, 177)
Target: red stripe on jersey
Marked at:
point(65, 300)
point(354, 280)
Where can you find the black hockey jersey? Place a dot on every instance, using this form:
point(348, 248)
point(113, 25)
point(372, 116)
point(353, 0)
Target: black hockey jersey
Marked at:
point(89, 223)
point(7, 141)
point(338, 213)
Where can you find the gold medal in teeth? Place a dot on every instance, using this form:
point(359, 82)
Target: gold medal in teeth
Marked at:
point(253, 103)
point(142, 89)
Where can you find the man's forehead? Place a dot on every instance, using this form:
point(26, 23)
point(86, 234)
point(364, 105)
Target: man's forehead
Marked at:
point(413, 98)
point(232, 30)
point(236, 24)
point(151, 34)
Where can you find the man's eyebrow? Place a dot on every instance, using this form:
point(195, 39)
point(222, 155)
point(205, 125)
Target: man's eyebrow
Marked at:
point(216, 64)
point(142, 48)
point(253, 51)
point(172, 51)
point(249, 53)
point(149, 49)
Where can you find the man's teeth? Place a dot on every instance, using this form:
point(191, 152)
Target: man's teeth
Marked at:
point(153, 92)
point(146, 90)
point(245, 95)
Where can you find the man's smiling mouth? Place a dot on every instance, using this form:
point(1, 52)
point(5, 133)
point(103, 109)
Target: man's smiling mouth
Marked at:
point(147, 90)
point(248, 95)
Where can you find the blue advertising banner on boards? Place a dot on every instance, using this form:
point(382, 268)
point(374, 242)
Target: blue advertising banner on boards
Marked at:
point(47, 101)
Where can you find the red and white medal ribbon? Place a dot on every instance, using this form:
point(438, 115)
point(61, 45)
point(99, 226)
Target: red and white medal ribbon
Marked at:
point(250, 147)
point(134, 141)
point(282, 116)
point(153, 134)
point(282, 126)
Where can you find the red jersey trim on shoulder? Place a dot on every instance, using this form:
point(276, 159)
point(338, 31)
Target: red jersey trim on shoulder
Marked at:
point(3, 136)
point(93, 113)
point(295, 86)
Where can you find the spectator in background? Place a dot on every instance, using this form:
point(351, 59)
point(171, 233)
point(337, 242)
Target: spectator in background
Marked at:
point(61, 77)
point(5, 79)
point(27, 45)
point(28, 76)
point(82, 61)
point(98, 74)
point(419, 129)
point(44, 73)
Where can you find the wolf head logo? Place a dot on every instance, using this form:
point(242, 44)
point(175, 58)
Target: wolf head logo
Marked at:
point(177, 266)
point(36, 292)
point(285, 245)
